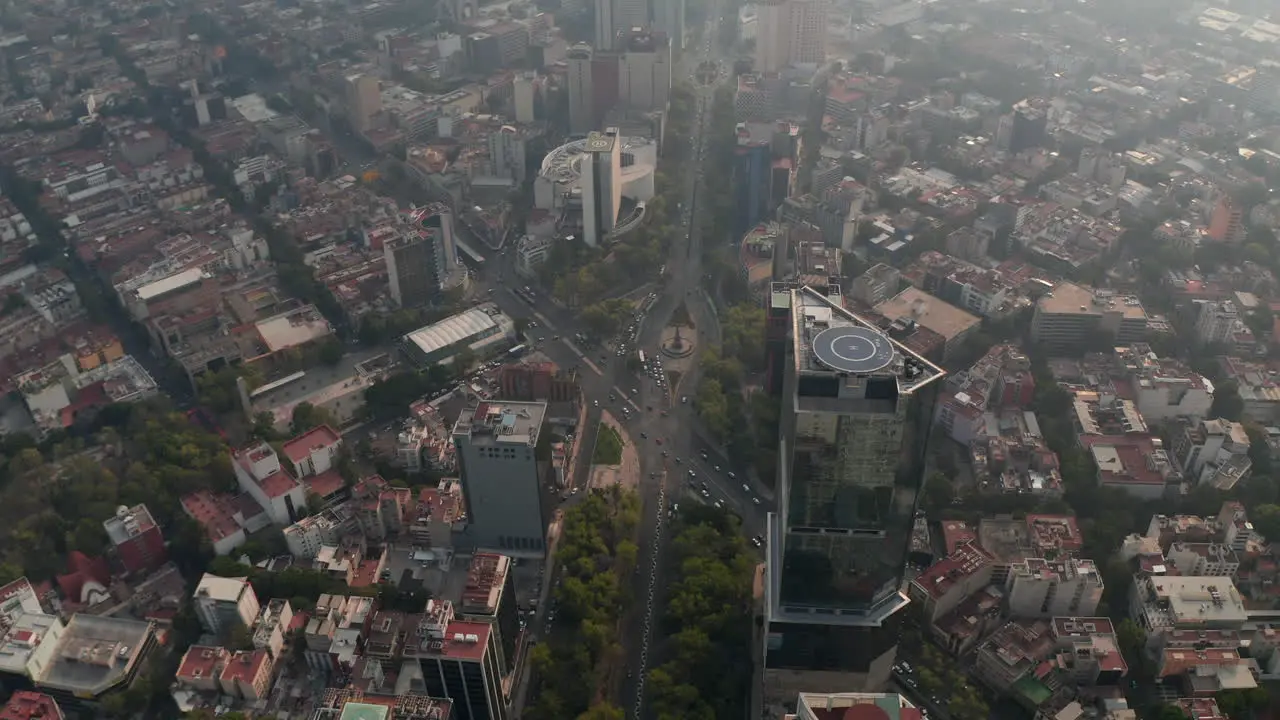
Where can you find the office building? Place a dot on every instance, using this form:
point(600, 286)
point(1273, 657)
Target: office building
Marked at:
point(790, 32)
point(605, 33)
point(752, 162)
point(601, 185)
point(605, 88)
point(619, 16)
point(507, 154)
point(857, 409)
point(137, 539)
point(94, 656)
point(668, 18)
point(223, 603)
point(500, 480)
point(581, 97)
point(459, 661)
point(1028, 127)
point(490, 596)
point(364, 101)
point(526, 91)
point(421, 257)
point(1072, 316)
point(644, 70)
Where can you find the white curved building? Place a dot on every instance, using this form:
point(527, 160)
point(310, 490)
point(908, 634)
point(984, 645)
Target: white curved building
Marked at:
point(560, 178)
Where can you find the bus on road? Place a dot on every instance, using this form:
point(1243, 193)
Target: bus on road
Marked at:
point(642, 360)
point(518, 350)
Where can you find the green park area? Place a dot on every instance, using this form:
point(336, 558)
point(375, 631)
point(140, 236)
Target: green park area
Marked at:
point(608, 446)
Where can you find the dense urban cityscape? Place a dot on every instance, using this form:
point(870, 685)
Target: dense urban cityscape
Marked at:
point(640, 359)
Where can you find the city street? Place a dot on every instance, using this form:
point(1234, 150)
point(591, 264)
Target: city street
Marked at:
point(608, 384)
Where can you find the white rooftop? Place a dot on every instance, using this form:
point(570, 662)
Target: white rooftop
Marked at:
point(293, 328)
point(454, 329)
point(220, 588)
point(170, 283)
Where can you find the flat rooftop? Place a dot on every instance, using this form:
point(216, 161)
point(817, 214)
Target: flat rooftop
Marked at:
point(943, 575)
point(813, 313)
point(1071, 299)
point(128, 523)
point(299, 448)
point(364, 711)
point(502, 422)
point(169, 284)
point(465, 640)
point(924, 309)
point(26, 631)
point(857, 706)
point(1192, 599)
point(293, 328)
point(222, 589)
point(96, 653)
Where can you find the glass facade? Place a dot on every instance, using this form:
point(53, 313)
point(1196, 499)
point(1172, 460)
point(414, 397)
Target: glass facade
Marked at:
point(852, 479)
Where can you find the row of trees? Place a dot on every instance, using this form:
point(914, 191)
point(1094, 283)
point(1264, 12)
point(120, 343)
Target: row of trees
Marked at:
point(746, 422)
point(707, 624)
point(575, 668)
point(607, 317)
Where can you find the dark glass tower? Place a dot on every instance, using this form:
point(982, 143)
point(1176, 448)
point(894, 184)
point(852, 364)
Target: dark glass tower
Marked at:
point(856, 412)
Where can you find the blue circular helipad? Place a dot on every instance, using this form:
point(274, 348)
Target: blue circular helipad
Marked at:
point(853, 349)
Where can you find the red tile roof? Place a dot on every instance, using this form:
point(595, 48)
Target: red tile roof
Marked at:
point(325, 484)
point(83, 569)
point(200, 662)
point(278, 483)
point(299, 448)
point(212, 513)
point(27, 705)
point(968, 559)
point(244, 666)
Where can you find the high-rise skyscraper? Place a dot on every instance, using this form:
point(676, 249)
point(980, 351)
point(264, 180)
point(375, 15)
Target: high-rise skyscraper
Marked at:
point(364, 100)
point(790, 32)
point(619, 16)
point(581, 95)
point(856, 412)
point(644, 70)
point(496, 442)
point(668, 17)
point(601, 185)
point(422, 258)
point(605, 32)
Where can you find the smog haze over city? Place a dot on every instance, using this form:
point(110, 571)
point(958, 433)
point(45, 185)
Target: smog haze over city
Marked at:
point(639, 359)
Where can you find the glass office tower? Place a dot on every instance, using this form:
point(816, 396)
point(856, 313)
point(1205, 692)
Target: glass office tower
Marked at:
point(857, 407)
